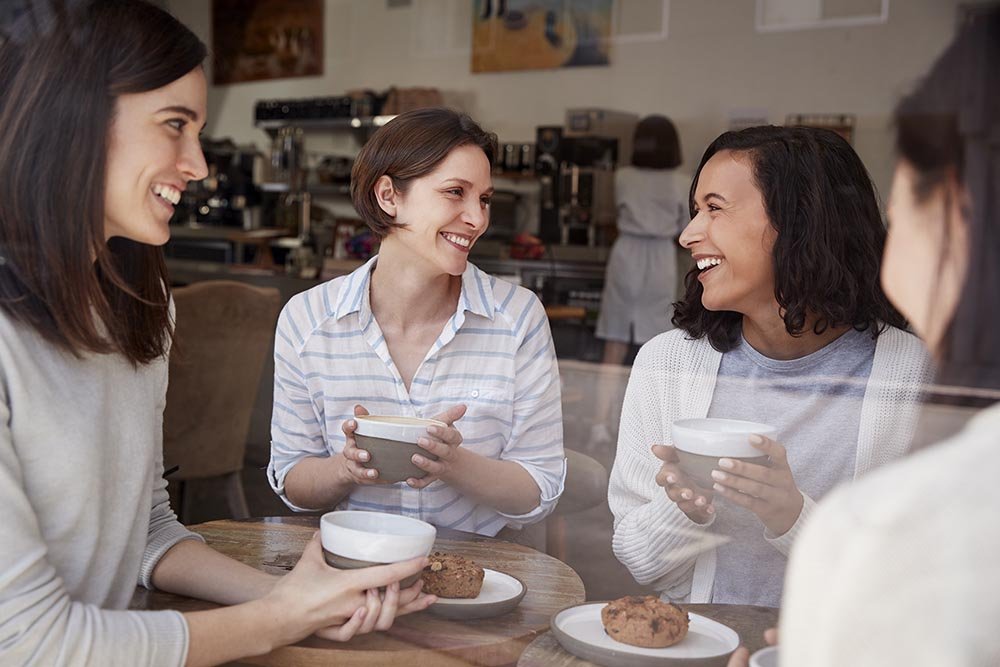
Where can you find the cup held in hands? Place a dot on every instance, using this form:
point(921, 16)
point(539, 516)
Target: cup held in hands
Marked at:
point(355, 539)
point(700, 443)
point(391, 442)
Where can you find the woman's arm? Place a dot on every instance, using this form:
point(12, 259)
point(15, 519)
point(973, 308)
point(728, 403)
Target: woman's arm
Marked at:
point(653, 538)
point(272, 611)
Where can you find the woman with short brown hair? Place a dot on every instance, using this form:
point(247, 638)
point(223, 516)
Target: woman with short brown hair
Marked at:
point(421, 332)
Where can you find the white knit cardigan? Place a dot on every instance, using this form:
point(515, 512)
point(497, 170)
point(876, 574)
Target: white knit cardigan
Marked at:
point(673, 378)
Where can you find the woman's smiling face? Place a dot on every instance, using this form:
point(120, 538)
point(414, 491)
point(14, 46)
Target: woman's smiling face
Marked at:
point(731, 238)
point(445, 212)
point(154, 150)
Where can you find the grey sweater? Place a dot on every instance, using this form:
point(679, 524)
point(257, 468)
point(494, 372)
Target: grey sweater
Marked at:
point(85, 510)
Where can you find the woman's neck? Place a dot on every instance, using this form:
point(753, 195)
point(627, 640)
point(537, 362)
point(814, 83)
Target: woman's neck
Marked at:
point(769, 336)
point(407, 292)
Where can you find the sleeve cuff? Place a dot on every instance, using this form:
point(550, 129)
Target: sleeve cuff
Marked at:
point(277, 481)
point(161, 543)
point(783, 543)
point(548, 503)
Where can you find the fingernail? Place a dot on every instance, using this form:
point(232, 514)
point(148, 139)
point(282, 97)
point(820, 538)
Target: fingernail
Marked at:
point(671, 479)
point(756, 440)
point(719, 475)
point(686, 495)
point(364, 456)
point(417, 458)
point(699, 501)
point(352, 423)
point(718, 487)
point(371, 473)
point(423, 442)
point(710, 510)
point(728, 464)
point(434, 430)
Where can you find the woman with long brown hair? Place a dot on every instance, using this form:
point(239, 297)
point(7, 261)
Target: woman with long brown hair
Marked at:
point(102, 103)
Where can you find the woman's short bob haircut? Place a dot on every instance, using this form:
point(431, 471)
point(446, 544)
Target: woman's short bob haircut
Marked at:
point(948, 129)
point(821, 202)
point(408, 147)
point(63, 65)
point(655, 144)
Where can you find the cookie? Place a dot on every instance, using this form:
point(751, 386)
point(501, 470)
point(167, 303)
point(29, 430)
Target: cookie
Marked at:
point(644, 621)
point(452, 576)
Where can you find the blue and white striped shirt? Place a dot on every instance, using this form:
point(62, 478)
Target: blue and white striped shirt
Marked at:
point(495, 355)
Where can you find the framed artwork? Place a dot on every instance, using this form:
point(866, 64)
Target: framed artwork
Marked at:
point(841, 123)
point(540, 34)
point(254, 40)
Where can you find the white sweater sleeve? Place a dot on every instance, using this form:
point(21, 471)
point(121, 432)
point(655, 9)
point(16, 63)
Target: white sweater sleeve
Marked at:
point(39, 623)
point(653, 538)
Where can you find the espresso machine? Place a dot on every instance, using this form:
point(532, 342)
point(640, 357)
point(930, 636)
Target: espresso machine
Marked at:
point(577, 187)
point(227, 196)
point(575, 166)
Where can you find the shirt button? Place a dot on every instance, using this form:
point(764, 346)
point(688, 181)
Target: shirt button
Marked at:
point(475, 393)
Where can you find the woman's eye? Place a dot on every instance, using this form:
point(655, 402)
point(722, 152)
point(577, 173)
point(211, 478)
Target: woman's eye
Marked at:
point(455, 191)
point(177, 123)
point(486, 201)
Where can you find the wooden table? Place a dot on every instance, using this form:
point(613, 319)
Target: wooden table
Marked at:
point(748, 621)
point(418, 640)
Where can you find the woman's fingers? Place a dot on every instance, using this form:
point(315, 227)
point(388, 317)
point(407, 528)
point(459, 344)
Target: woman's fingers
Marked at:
point(421, 482)
point(776, 451)
point(743, 485)
point(373, 607)
point(344, 632)
point(755, 505)
point(390, 603)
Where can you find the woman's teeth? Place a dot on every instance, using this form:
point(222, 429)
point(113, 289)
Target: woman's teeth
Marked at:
point(706, 262)
point(458, 240)
point(172, 195)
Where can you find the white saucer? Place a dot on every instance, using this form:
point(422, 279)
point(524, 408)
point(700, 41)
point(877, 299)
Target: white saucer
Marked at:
point(500, 594)
point(580, 631)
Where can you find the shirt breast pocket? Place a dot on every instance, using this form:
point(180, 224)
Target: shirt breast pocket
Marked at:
point(488, 418)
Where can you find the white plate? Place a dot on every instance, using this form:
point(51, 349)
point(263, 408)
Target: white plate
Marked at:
point(580, 631)
point(500, 593)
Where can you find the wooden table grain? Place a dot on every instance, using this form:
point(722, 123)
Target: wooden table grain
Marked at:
point(417, 640)
point(748, 621)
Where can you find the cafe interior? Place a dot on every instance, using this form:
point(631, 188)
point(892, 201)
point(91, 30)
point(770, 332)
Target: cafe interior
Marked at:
point(296, 88)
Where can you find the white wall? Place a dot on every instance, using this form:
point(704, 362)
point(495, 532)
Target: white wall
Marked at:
point(711, 61)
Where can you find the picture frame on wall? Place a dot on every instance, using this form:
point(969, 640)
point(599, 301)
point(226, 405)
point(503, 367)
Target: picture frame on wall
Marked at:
point(510, 35)
point(256, 40)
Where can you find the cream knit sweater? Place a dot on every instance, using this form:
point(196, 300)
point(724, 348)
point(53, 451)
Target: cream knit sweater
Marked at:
point(674, 377)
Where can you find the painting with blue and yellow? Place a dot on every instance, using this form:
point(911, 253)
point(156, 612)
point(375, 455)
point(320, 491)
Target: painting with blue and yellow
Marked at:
point(540, 34)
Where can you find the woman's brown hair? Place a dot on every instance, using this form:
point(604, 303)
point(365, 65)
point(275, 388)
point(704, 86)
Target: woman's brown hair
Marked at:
point(406, 148)
point(62, 67)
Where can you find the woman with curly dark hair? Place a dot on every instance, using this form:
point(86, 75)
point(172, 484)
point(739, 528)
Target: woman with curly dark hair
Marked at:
point(783, 323)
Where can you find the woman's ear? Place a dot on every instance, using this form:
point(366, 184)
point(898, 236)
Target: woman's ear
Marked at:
point(386, 195)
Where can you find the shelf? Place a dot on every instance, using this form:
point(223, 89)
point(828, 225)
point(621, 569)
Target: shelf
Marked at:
point(366, 122)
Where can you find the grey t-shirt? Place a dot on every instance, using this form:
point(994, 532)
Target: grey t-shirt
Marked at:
point(815, 403)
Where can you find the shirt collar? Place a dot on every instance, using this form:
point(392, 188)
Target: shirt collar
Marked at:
point(476, 296)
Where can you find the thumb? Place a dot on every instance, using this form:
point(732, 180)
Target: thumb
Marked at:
point(360, 411)
point(452, 414)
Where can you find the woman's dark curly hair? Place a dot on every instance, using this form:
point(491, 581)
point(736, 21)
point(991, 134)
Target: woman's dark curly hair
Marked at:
point(821, 202)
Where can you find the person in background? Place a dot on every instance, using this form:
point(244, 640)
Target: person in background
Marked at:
point(903, 568)
point(102, 104)
point(640, 282)
point(420, 331)
point(783, 323)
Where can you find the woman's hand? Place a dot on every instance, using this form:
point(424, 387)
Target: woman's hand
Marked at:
point(351, 459)
point(442, 443)
point(339, 604)
point(693, 500)
point(768, 492)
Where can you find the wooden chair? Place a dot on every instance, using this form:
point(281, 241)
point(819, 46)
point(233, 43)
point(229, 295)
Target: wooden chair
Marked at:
point(224, 332)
